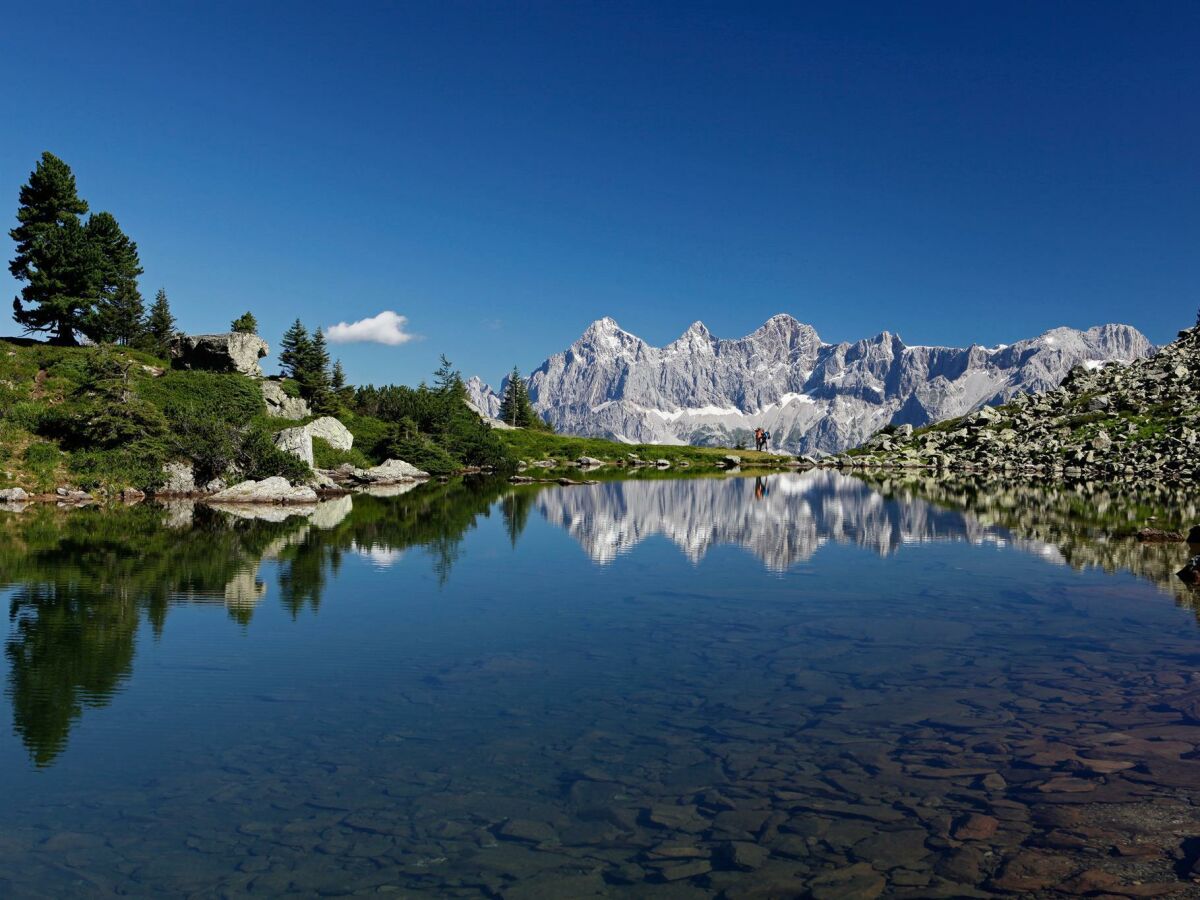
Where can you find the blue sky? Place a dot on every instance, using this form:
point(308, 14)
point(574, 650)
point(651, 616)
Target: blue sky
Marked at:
point(501, 174)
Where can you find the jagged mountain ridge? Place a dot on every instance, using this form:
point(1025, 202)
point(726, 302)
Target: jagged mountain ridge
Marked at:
point(812, 396)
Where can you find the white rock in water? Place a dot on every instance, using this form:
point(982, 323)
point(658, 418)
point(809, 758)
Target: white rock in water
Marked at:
point(13, 495)
point(333, 432)
point(391, 472)
point(297, 441)
point(269, 490)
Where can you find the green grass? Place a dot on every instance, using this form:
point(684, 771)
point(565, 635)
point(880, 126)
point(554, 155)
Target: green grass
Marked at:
point(327, 457)
point(539, 445)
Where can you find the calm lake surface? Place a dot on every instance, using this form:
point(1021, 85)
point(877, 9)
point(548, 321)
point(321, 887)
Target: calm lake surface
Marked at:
point(799, 685)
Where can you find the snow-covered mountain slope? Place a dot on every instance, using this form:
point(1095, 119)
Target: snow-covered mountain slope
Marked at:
point(812, 396)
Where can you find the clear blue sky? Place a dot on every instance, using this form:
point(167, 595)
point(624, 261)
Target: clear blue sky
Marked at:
point(501, 174)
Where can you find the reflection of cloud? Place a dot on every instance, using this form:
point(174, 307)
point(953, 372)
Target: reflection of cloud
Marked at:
point(385, 328)
point(379, 557)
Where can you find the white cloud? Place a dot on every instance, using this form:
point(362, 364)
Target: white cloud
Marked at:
point(385, 328)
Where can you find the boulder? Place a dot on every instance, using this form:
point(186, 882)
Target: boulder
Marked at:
point(297, 441)
point(178, 478)
point(280, 405)
point(394, 471)
point(230, 352)
point(269, 490)
point(13, 495)
point(333, 432)
point(589, 461)
point(731, 461)
point(662, 463)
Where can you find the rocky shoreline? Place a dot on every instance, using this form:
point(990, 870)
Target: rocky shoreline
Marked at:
point(1136, 424)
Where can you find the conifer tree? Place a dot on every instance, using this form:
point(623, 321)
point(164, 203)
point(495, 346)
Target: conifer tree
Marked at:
point(160, 325)
point(54, 258)
point(314, 377)
point(244, 324)
point(294, 349)
point(119, 310)
point(337, 379)
point(515, 408)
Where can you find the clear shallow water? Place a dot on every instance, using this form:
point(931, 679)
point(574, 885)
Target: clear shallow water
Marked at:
point(800, 686)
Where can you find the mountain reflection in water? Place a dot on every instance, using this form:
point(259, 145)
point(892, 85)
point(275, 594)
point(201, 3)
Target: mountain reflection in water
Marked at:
point(79, 583)
point(792, 685)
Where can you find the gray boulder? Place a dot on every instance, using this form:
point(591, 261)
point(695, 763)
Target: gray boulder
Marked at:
point(269, 490)
point(13, 495)
point(280, 405)
point(331, 431)
point(231, 352)
point(178, 478)
point(394, 471)
point(589, 461)
point(297, 441)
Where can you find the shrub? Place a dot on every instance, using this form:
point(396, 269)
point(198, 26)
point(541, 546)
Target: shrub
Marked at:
point(258, 458)
point(326, 457)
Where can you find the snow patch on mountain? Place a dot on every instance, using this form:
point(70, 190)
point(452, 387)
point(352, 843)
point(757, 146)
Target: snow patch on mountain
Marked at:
point(812, 396)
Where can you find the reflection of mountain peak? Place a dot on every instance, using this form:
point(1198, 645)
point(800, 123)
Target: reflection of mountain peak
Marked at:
point(781, 519)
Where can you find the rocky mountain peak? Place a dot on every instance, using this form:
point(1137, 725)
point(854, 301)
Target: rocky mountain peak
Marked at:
point(812, 396)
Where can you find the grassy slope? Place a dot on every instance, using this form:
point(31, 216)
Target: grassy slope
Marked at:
point(40, 382)
point(535, 445)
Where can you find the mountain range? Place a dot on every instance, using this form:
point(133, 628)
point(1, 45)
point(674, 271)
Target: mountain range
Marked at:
point(811, 395)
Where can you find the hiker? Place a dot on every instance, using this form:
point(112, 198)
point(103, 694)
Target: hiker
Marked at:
point(766, 440)
point(758, 439)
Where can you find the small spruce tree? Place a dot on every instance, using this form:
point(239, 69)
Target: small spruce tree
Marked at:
point(294, 350)
point(315, 377)
point(160, 325)
point(245, 324)
point(337, 379)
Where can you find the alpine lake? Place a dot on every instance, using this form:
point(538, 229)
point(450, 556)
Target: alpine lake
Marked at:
point(790, 685)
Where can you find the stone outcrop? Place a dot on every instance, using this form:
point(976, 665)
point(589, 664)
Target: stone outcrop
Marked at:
point(1119, 424)
point(13, 495)
point(282, 406)
point(231, 352)
point(394, 471)
point(332, 431)
point(269, 490)
point(298, 440)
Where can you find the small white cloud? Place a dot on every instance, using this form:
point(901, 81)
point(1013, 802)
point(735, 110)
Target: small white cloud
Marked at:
point(385, 328)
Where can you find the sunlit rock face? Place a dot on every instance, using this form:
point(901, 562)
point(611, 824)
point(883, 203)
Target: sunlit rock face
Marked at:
point(783, 519)
point(811, 395)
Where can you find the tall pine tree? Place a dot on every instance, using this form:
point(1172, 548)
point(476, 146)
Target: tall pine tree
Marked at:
point(315, 378)
point(119, 311)
point(294, 349)
point(160, 325)
point(54, 258)
point(515, 408)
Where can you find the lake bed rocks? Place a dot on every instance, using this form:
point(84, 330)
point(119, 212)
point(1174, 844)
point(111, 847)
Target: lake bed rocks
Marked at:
point(228, 352)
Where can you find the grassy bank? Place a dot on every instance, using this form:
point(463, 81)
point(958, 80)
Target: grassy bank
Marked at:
point(531, 446)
